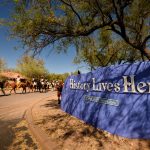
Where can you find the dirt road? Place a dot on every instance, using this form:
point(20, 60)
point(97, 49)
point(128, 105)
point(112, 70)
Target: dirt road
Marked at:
point(12, 110)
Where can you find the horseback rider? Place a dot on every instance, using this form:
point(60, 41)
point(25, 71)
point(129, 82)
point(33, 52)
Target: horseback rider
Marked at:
point(34, 82)
point(18, 80)
point(42, 80)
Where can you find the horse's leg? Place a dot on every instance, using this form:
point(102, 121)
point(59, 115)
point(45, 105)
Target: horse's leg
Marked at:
point(11, 90)
point(45, 89)
point(24, 89)
point(32, 89)
point(15, 90)
point(28, 89)
point(40, 89)
point(3, 91)
point(35, 88)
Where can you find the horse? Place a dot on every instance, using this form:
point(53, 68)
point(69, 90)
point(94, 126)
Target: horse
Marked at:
point(41, 86)
point(12, 85)
point(2, 85)
point(30, 86)
point(34, 85)
point(44, 86)
point(24, 85)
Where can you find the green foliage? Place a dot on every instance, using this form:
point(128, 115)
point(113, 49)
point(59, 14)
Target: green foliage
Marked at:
point(3, 65)
point(1, 22)
point(96, 54)
point(58, 77)
point(86, 24)
point(3, 79)
point(31, 67)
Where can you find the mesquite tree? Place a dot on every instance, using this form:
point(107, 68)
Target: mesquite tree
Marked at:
point(39, 23)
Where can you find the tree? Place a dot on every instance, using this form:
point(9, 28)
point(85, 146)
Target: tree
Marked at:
point(62, 77)
point(43, 22)
point(31, 67)
point(97, 54)
point(2, 65)
point(1, 22)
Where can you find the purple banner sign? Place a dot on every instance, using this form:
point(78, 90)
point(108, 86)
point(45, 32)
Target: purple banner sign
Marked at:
point(114, 98)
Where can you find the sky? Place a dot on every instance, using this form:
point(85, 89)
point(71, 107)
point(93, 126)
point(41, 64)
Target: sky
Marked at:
point(54, 62)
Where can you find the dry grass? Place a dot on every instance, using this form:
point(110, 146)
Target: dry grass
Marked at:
point(71, 133)
point(23, 140)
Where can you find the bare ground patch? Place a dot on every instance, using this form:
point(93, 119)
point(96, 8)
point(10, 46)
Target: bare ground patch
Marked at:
point(23, 140)
point(71, 133)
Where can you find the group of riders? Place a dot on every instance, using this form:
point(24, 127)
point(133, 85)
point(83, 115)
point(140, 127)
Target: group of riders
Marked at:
point(34, 85)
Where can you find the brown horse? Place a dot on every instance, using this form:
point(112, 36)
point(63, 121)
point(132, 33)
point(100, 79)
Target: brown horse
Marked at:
point(2, 85)
point(12, 85)
point(25, 85)
point(30, 86)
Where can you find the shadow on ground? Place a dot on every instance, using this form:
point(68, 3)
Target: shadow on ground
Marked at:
point(6, 133)
point(72, 133)
point(14, 135)
point(52, 103)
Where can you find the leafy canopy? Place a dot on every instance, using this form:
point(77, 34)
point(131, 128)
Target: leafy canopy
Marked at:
point(39, 23)
point(31, 67)
point(3, 65)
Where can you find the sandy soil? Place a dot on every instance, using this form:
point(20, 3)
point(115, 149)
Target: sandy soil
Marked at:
point(23, 140)
point(71, 133)
point(15, 135)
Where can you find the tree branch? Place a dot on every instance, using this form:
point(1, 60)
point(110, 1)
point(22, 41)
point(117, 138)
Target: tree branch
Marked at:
point(100, 10)
point(111, 58)
point(120, 16)
point(145, 40)
point(72, 8)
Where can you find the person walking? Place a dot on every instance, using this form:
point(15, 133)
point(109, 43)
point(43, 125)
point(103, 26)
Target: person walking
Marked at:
point(79, 72)
point(59, 88)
